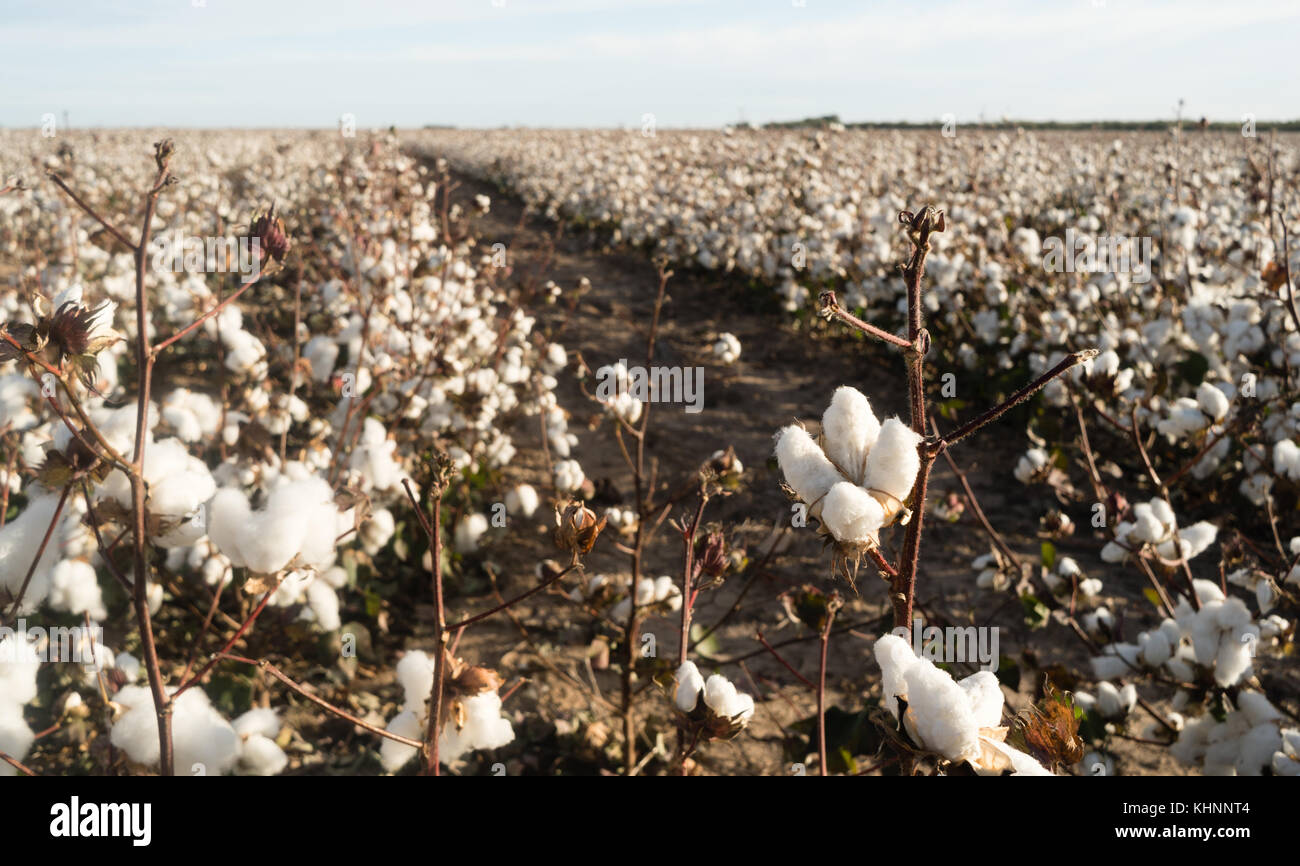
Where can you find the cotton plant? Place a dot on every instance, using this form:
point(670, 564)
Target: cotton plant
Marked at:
point(1216, 641)
point(19, 663)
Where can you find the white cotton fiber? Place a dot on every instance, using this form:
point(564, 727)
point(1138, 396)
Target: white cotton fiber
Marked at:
point(204, 742)
point(392, 754)
point(1197, 537)
point(75, 588)
point(807, 470)
point(894, 461)
point(985, 697)
point(300, 521)
point(895, 658)
point(522, 500)
point(261, 756)
point(689, 686)
point(19, 662)
point(324, 604)
point(415, 675)
point(484, 728)
point(259, 720)
point(849, 430)
point(851, 514)
point(15, 735)
point(19, 540)
point(939, 712)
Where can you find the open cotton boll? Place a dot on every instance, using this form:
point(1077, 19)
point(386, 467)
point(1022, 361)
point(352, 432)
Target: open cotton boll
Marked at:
point(1197, 537)
point(204, 742)
point(484, 728)
point(1213, 402)
point(261, 756)
point(19, 662)
point(849, 430)
point(299, 521)
point(893, 462)
point(392, 754)
point(469, 530)
point(259, 720)
point(377, 530)
point(852, 514)
point(415, 675)
point(807, 470)
point(689, 685)
point(74, 588)
point(20, 539)
point(15, 735)
point(323, 602)
point(522, 500)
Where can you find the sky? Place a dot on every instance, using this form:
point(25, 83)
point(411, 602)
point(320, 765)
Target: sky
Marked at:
point(690, 63)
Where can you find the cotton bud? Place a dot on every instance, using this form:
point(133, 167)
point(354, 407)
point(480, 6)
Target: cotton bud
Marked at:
point(722, 714)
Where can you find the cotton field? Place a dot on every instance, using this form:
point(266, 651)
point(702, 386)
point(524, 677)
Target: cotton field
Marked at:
point(649, 452)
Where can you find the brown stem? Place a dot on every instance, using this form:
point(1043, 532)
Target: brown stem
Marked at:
point(821, 691)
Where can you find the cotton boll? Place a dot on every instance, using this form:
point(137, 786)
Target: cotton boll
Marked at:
point(807, 470)
point(568, 476)
point(469, 530)
point(261, 756)
point(260, 720)
point(377, 530)
point(852, 514)
point(199, 735)
point(483, 728)
point(20, 539)
point(415, 675)
point(1197, 537)
point(324, 605)
point(689, 685)
point(522, 500)
point(893, 462)
point(128, 665)
point(895, 658)
point(229, 517)
point(1212, 401)
point(15, 735)
point(394, 755)
point(1233, 661)
point(1030, 465)
point(19, 662)
point(849, 430)
point(74, 588)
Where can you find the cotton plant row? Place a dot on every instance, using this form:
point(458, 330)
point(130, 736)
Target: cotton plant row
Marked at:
point(335, 367)
point(802, 211)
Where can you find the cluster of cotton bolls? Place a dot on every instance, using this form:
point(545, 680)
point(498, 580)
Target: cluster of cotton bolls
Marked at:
point(959, 719)
point(857, 479)
point(1153, 523)
point(479, 723)
point(614, 392)
point(1247, 742)
point(1065, 577)
point(205, 743)
point(659, 593)
point(1220, 637)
